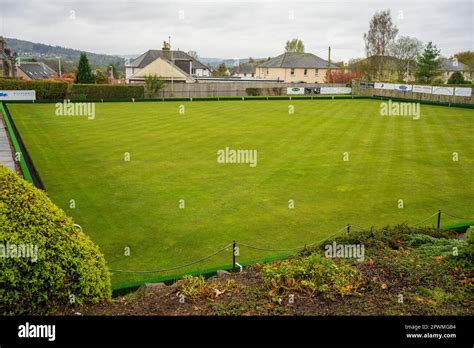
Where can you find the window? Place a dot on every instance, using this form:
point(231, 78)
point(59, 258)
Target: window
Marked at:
point(305, 72)
point(292, 72)
point(317, 72)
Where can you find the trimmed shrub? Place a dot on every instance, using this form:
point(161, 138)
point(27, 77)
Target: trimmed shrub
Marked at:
point(66, 265)
point(45, 90)
point(96, 92)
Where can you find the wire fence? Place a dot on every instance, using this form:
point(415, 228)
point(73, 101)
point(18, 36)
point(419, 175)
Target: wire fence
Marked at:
point(235, 246)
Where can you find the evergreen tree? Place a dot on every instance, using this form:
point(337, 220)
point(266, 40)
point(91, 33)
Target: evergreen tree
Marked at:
point(84, 73)
point(428, 64)
point(456, 78)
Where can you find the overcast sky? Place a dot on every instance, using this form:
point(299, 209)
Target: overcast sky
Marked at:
point(232, 28)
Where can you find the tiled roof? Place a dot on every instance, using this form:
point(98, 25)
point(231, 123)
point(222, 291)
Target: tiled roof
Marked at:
point(297, 60)
point(246, 69)
point(151, 55)
point(452, 65)
point(36, 70)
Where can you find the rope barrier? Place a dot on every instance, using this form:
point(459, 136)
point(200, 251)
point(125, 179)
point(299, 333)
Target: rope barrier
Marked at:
point(425, 219)
point(275, 250)
point(174, 268)
point(456, 217)
point(291, 249)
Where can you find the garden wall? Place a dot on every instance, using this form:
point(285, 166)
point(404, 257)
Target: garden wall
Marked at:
point(231, 89)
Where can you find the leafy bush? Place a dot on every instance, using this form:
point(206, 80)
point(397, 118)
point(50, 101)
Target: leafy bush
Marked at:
point(311, 274)
point(45, 90)
point(67, 266)
point(96, 92)
point(191, 286)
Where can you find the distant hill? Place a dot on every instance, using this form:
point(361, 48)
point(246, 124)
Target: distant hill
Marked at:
point(38, 51)
point(70, 57)
point(214, 62)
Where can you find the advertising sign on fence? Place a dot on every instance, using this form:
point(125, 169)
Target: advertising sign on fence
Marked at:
point(441, 90)
point(295, 90)
point(366, 85)
point(463, 91)
point(17, 95)
point(336, 90)
point(383, 85)
point(403, 88)
point(422, 89)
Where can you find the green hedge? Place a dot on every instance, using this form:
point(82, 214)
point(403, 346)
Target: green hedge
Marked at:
point(96, 92)
point(68, 262)
point(45, 90)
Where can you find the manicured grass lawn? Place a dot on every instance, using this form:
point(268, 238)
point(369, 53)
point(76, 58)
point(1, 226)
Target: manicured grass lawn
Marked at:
point(173, 156)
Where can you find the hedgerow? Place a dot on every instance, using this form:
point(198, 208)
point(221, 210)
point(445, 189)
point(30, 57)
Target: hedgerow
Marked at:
point(45, 90)
point(80, 92)
point(68, 268)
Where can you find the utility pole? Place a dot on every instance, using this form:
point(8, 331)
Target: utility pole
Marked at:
point(329, 65)
point(59, 59)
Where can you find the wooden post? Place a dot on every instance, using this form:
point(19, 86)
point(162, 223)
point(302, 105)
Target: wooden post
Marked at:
point(439, 219)
point(234, 246)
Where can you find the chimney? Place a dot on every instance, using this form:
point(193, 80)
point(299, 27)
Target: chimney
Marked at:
point(3, 44)
point(166, 51)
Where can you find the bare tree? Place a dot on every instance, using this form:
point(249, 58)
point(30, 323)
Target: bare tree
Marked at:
point(405, 50)
point(381, 34)
point(193, 54)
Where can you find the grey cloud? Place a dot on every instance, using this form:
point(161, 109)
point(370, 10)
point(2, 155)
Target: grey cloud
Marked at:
point(231, 28)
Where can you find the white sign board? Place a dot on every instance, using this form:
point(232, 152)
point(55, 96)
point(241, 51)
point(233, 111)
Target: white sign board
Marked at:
point(422, 89)
point(463, 91)
point(17, 95)
point(295, 90)
point(440, 90)
point(336, 90)
point(382, 85)
point(402, 88)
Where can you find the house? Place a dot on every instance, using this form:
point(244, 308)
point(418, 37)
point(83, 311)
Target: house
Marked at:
point(294, 67)
point(35, 71)
point(164, 69)
point(7, 60)
point(245, 70)
point(449, 66)
point(179, 59)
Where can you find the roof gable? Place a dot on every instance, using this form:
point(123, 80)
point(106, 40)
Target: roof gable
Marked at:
point(163, 69)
